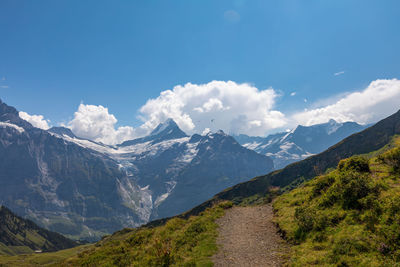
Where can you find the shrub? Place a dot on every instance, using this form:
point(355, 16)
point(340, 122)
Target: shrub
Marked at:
point(390, 227)
point(392, 158)
point(356, 163)
point(355, 187)
point(322, 183)
point(226, 205)
point(304, 218)
point(350, 189)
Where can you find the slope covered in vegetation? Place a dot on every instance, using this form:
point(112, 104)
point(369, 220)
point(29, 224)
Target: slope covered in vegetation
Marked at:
point(347, 217)
point(21, 236)
point(179, 242)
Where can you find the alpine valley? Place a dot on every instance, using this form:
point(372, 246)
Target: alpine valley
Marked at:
point(85, 189)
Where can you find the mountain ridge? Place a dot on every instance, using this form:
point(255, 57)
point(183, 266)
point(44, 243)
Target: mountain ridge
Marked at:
point(303, 141)
point(164, 131)
point(20, 235)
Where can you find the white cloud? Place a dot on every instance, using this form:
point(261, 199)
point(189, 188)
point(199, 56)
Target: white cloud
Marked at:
point(338, 73)
point(379, 100)
point(36, 120)
point(206, 131)
point(4, 86)
point(292, 93)
point(96, 123)
point(232, 107)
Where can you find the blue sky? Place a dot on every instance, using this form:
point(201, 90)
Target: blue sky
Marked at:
point(118, 54)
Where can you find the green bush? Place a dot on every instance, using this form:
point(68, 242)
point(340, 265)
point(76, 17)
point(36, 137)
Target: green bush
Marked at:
point(304, 218)
point(392, 158)
point(349, 190)
point(356, 163)
point(322, 183)
point(354, 188)
point(226, 204)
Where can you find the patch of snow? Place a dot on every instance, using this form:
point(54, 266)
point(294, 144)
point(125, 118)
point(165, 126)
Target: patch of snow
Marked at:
point(285, 136)
point(136, 198)
point(162, 127)
point(333, 126)
point(170, 186)
point(16, 127)
point(151, 149)
point(252, 146)
point(286, 146)
point(189, 154)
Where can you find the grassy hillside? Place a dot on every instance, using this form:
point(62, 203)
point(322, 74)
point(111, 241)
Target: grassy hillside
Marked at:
point(347, 217)
point(21, 236)
point(179, 242)
point(41, 259)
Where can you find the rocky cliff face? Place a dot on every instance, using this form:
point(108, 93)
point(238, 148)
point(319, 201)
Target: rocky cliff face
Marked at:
point(61, 185)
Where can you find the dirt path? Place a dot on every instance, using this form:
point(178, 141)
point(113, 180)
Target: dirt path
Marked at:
point(247, 237)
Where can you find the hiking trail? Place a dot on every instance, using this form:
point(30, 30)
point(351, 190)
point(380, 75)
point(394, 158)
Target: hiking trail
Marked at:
point(248, 237)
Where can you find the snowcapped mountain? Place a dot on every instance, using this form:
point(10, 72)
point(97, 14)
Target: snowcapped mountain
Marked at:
point(85, 189)
point(288, 147)
point(176, 171)
point(164, 131)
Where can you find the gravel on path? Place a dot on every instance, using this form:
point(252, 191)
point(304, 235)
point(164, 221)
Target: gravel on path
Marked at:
point(248, 237)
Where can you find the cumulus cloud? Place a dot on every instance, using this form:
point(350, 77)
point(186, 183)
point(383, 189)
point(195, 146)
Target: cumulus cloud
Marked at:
point(292, 93)
point(96, 123)
point(379, 100)
point(36, 120)
point(206, 131)
point(232, 107)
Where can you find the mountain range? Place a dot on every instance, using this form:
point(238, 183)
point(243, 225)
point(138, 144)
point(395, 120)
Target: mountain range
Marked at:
point(85, 189)
point(304, 141)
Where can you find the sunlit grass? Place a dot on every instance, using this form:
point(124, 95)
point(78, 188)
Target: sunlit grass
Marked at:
point(348, 217)
point(180, 242)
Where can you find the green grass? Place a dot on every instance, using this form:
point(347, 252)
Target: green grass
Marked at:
point(40, 259)
point(14, 250)
point(347, 217)
point(179, 242)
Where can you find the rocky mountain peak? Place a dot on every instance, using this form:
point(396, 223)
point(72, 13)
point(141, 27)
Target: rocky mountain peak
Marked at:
point(10, 115)
point(62, 131)
point(164, 126)
point(166, 130)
